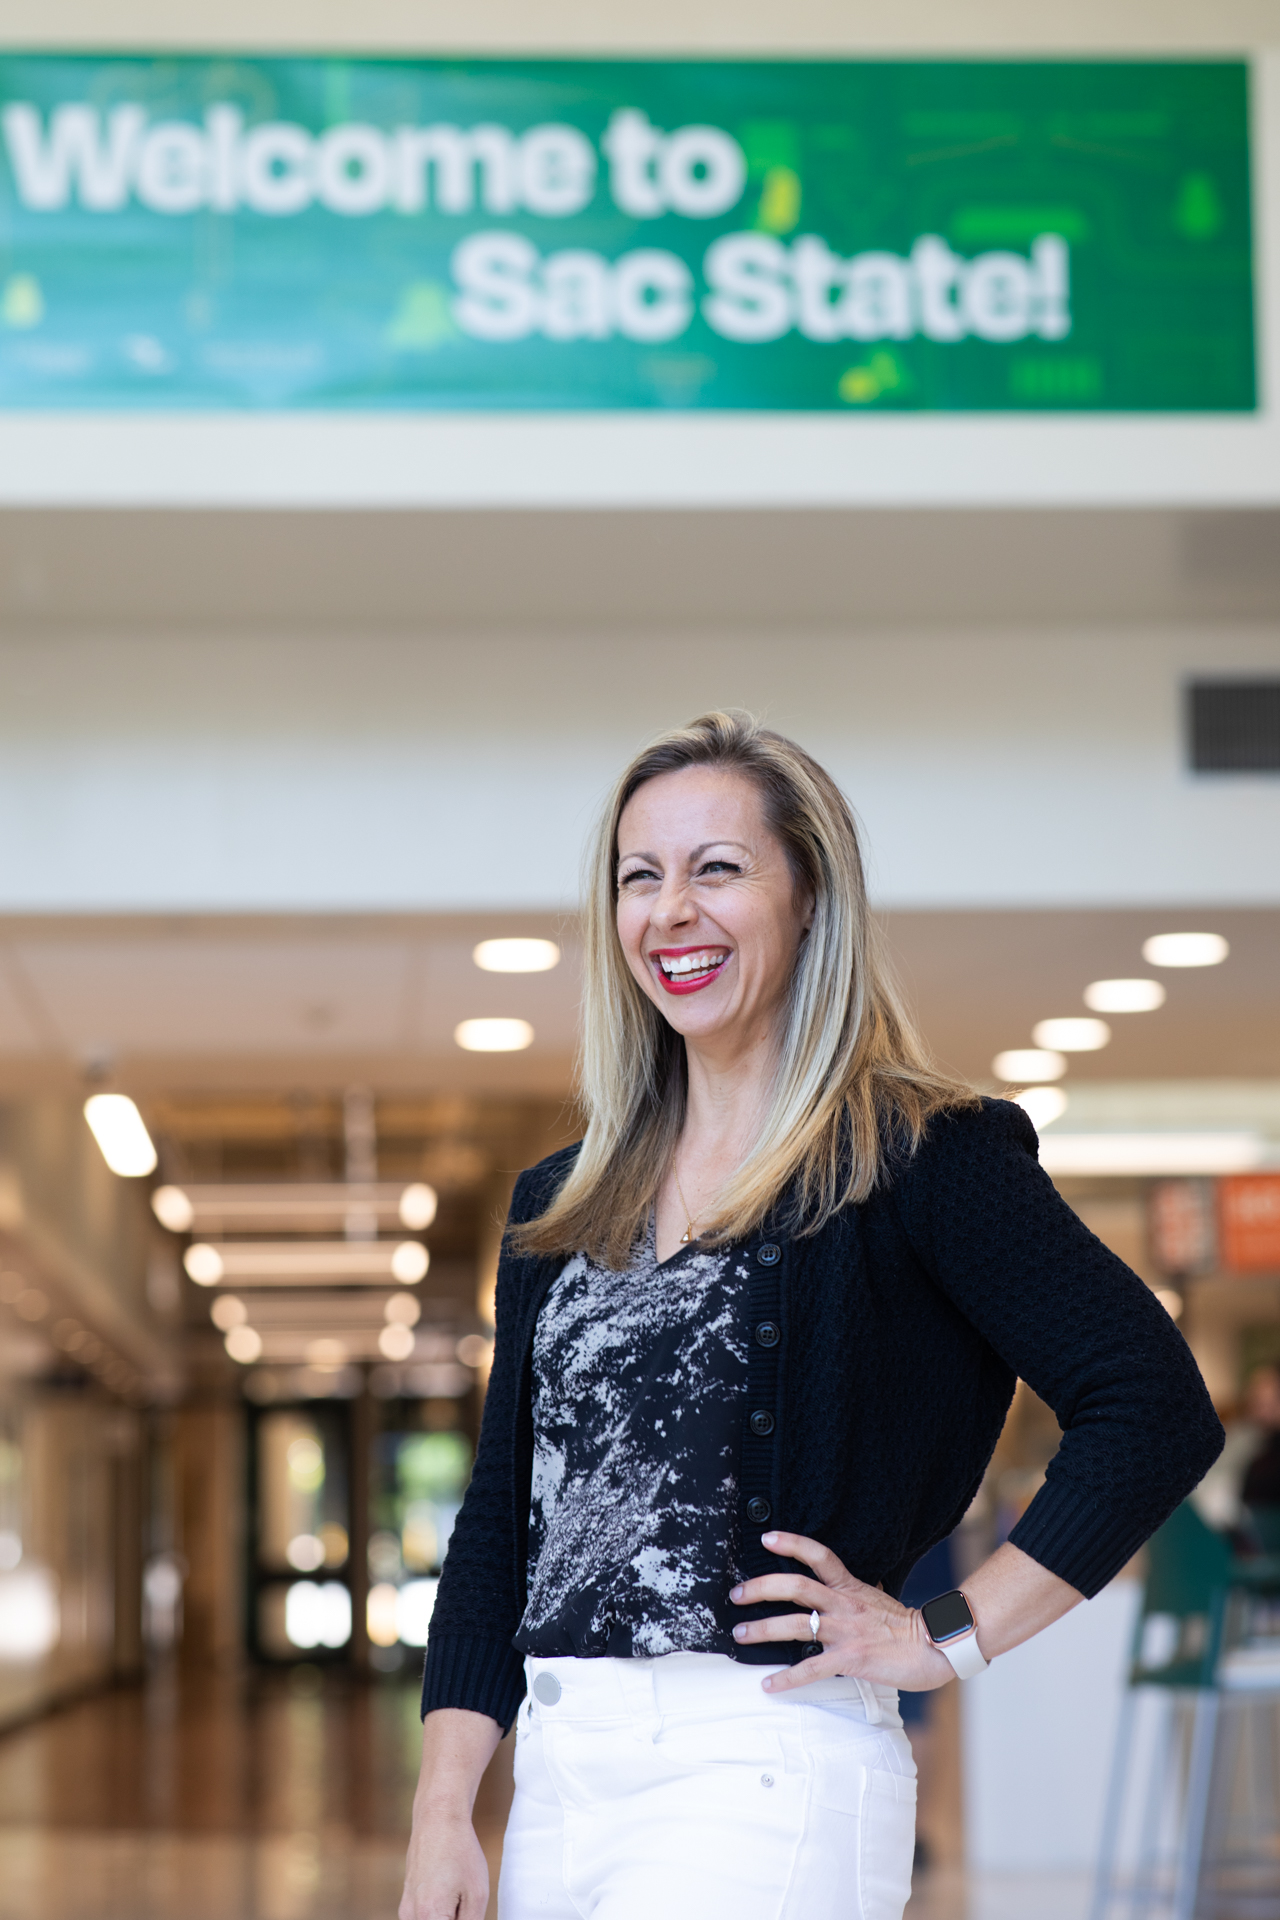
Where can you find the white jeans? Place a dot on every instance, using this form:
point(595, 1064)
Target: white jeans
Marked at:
point(676, 1789)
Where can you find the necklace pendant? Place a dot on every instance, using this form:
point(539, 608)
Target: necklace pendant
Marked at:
point(685, 1237)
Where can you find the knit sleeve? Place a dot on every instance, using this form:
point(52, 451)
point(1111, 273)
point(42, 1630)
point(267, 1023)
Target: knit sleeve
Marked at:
point(1139, 1429)
point(470, 1659)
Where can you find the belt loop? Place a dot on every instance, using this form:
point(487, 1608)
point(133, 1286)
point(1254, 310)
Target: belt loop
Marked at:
point(870, 1703)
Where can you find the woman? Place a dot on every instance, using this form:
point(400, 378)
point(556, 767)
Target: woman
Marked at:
point(756, 1338)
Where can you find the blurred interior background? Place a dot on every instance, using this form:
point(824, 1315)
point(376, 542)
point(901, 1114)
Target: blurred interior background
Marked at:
point(306, 705)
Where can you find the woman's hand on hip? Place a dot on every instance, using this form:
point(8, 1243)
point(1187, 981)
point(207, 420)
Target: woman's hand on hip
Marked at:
point(863, 1633)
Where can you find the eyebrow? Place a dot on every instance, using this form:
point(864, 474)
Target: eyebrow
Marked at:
point(695, 853)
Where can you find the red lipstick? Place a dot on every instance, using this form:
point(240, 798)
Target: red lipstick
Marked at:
point(689, 978)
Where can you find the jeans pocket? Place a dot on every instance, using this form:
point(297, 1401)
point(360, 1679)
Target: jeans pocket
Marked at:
point(886, 1843)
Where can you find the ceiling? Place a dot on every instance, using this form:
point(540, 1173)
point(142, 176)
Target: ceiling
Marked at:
point(180, 1007)
point(785, 570)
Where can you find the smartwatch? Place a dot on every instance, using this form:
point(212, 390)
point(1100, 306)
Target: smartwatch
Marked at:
point(950, 1624)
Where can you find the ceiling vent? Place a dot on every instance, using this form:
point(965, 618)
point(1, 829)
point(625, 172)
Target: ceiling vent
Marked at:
point(1234, 726)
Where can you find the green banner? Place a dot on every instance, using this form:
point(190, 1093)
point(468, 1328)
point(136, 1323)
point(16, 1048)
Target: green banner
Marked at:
point(849, 236)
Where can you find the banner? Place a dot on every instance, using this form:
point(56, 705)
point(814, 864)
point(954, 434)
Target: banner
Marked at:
point(543, 235)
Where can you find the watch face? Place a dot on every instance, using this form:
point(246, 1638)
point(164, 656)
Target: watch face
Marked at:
point(947, 1616)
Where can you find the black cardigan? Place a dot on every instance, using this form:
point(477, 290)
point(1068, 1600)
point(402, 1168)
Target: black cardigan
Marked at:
point(886, 1347)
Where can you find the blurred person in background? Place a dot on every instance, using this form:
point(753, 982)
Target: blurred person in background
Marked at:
point(757, 1334)
point(1260, 1492)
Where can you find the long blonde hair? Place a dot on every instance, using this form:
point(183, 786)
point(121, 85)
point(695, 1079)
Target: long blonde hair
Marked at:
point(853, 1077)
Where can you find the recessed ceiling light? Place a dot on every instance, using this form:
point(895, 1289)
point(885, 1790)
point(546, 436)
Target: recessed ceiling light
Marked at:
point(493, 1036)
point(1029, 1063)
point(228, 1311)
point(1074, 1035)
point(1042, 1105)
point(1185, 950)
point(1125, 996)
point(118, 1128)
point(516, 956)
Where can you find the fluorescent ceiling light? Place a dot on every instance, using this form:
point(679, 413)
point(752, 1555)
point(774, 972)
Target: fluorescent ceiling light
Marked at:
point(322, 1310)
point(1074, 1035)
point(1124, 996)
point(1151, 1153)
point(1185, 950)
point(118, 1128)
point(297, 1205)
point(493, 1036)
point(516, 956)
point(1028, 1063)
point(283, 1263)
point(1042, 1105)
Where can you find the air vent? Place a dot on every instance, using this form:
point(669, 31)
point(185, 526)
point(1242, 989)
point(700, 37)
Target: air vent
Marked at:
point(1234, 726)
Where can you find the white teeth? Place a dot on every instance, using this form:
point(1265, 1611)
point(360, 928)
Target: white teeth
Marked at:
point(677, 965)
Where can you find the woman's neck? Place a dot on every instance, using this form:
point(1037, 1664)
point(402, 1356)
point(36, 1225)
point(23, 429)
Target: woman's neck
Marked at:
point(727, 1097)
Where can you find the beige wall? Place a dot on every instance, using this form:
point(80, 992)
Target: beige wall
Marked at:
point(804, 26)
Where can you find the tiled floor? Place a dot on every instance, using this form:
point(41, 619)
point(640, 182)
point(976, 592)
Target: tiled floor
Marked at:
point(277, 1797)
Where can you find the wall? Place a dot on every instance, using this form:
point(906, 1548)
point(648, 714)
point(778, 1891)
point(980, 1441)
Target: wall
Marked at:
point(381, 771)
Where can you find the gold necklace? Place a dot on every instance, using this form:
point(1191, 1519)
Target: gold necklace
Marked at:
point(687, 1235)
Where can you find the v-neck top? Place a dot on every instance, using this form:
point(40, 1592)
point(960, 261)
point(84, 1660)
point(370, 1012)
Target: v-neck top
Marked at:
point(638, 1385)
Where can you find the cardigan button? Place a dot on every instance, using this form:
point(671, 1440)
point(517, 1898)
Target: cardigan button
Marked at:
point(758, 1510)
point(769, 1253)
point(768, 1333)
point(762, 1424)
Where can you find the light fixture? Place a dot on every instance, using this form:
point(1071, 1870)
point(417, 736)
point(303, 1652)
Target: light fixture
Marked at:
point(417, 1207)
point(173, 1209)
point(474, 1350)
point(1171, 1300)
point(409, 1262)
point(203, 1265)
point(493, 1036)
point(516, 956)
point(1042, 1105)
point(243, 1344)
point(1077, 1034)
point(282, 1263)
point(327, 1352)
point(1124, 996)
point(396, 1341)
point(228, 1311)
point(1151, 1153)
point(118, 1128)
point(402, 1309)
point(299, 1206)
point(1185, 950)
point(1028, 1063)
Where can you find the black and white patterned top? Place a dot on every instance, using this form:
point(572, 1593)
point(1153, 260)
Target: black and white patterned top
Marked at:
point(639, 1380)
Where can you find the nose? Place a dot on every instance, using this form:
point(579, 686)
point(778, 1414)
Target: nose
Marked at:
point(672, 908)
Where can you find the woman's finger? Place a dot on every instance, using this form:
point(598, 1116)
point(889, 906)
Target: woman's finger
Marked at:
point(779, 1626)
point(797, 1546)
point(781, 1586)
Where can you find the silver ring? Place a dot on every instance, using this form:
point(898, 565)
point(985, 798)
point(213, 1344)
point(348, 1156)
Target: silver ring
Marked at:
point(815, 1622)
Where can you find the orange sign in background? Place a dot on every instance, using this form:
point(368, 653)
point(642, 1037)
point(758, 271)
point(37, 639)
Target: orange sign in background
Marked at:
point(1249, 1222)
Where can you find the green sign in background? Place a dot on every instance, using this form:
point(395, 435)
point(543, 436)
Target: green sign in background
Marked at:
point(173, 287)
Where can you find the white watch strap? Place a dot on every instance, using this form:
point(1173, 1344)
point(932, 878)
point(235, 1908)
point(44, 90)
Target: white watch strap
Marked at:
point(964, 1654)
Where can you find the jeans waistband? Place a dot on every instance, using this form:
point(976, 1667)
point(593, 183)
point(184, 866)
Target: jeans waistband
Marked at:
point(707, 1683)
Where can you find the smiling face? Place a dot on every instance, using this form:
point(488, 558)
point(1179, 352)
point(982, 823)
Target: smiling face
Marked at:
point(709, 914)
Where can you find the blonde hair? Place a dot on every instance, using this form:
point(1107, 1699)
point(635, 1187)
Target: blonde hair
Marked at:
point(853, 1078)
